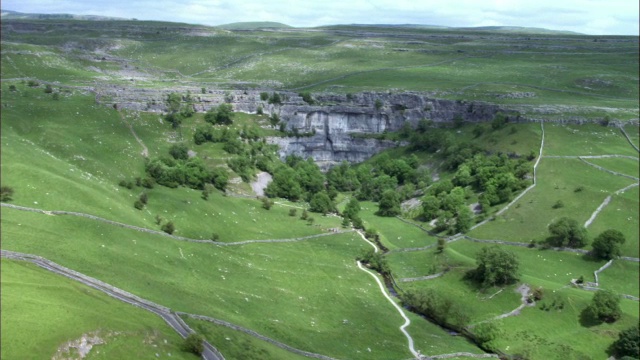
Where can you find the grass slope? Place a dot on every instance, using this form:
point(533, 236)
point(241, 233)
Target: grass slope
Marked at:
point(42, 311)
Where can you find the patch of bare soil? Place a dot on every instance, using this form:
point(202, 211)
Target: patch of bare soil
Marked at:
point(262, 180)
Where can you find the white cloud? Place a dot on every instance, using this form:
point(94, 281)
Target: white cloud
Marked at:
point(586, 16)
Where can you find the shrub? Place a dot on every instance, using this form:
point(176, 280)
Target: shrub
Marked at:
point(558, 204)
point(193, 344)
point(33, 83)
point(266, 203)
point(6, 193)
point(310, 220)
point(578, 189)
point(12, 88)
point(264, 96)
point(259, 111)
point(378, 104)
point(138, 205)
point(292, 212)
point(215, 237)
point(304, 215)
point(169, 228)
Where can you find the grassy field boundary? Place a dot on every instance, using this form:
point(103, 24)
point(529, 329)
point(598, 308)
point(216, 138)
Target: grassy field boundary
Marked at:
point(624, 132)
point(256, 335)
point(175, 237)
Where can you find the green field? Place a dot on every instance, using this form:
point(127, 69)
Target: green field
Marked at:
point(70, 153)
point(41, 312)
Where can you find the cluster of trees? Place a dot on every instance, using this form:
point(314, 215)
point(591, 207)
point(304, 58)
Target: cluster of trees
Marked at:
point(375, 261)
point(497, 177)
point(253, 152)
point(221, 115)
point(566, 232)
point(178, 108)
point(299, 179)
point(446, 203)
point(180, 169)
point(436, 306)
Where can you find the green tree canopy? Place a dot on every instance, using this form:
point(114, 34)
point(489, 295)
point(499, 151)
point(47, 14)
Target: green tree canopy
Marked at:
point(566, 232)
point(628, 343)
point(321, 203)
point(496, 266)
point(605, 306)
point(607, 244)
point(389, 204)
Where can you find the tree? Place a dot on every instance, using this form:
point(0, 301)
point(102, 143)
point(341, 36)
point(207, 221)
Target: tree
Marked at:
point(6, 193)
point(464, 220)
point(193, 344)
point(607, 244)
point(389, 204)
point(224, 114)
point(628, 344)
point(352, 209)
point(442, 244)
point(179, 151)
point(496, 266)
point(321, 203)
point(605, 306)
point(566, 232)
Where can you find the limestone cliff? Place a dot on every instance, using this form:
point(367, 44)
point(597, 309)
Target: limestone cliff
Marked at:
point(335, 127)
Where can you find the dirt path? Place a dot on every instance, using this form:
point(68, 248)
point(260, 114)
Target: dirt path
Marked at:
point(407, 322)
point(145, 150)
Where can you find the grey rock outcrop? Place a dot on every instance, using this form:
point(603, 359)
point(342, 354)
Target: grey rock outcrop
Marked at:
point(336, 128)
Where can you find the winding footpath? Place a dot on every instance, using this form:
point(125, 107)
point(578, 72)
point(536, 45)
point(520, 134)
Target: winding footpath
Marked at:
point(407, 322)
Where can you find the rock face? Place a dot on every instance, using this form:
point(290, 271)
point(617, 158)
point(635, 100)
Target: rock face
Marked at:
point(336, 128)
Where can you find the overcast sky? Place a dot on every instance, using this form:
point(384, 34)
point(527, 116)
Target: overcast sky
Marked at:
point(596, 17)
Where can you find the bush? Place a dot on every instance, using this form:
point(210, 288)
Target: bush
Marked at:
point(275, 99)
point(12, 88)
point(6, 193)
point(264, 96)
point(193, 344)
point(266, 203)
point(169, 228)
point(33, 83)
point(138, 205)
point(215, 237)
point(259, 111)
point(378, 104)
point(558, 204)
point(292, 212)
